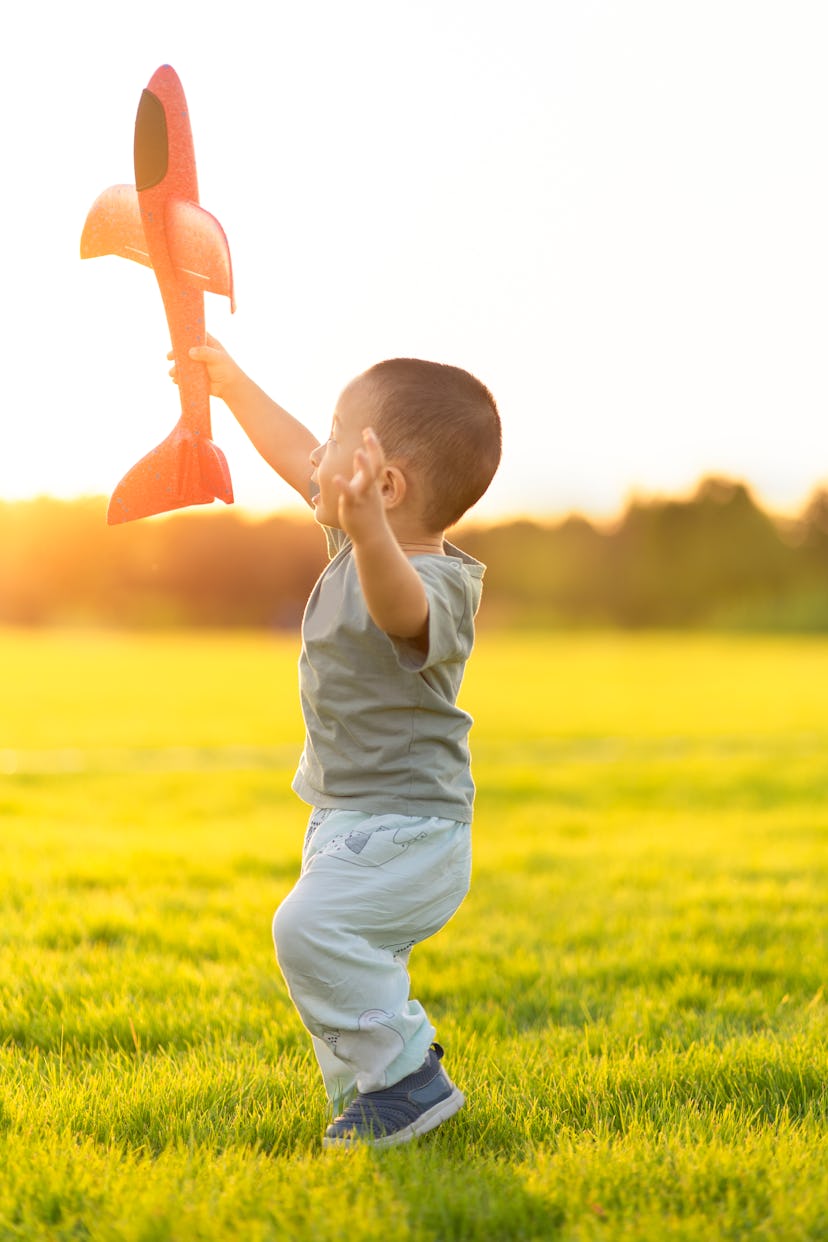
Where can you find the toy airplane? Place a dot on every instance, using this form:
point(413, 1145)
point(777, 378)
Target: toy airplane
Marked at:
point(159, 223)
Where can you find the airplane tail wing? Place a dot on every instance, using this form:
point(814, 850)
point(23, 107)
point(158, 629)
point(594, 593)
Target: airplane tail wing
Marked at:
point(185, 469)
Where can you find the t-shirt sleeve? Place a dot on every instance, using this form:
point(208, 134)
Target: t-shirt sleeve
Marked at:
point(451, 608)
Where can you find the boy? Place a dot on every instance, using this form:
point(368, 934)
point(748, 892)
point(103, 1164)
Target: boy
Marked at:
point(385, 636)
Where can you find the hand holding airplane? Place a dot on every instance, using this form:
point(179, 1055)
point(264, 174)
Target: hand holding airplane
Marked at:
point(158, 222)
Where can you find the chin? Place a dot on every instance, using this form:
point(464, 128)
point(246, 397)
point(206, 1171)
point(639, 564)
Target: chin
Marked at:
point(322, 517)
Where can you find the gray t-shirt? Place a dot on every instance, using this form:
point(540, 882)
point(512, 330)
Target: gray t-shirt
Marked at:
point(384, 733)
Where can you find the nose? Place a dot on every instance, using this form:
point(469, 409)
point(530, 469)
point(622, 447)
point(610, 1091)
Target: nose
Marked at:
point(315, 455)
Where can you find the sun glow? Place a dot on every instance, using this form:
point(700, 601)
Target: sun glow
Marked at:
point(633, 267)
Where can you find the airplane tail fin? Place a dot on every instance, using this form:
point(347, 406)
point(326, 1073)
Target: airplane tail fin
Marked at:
point(185, 469)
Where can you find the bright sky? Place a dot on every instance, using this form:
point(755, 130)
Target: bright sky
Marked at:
point(615, 213)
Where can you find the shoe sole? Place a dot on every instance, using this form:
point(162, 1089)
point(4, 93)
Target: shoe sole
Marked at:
point(428, 1120)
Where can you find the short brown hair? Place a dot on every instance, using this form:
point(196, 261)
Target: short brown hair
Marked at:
point(444, 423)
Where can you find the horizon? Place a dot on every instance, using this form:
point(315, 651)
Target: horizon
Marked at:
point(478, 515)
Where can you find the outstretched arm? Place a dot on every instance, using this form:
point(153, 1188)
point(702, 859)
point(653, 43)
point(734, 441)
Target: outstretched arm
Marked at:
point(393, 591)
point(283, 442)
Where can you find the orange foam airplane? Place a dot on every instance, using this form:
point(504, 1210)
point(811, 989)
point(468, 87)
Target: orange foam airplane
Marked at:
point(158, 222)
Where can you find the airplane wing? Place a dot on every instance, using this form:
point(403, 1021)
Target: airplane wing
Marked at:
point(198, 248)
point(195, 239)
point(114, 226)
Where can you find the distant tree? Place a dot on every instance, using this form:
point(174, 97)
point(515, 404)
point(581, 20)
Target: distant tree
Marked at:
point(676, 562)
point(715, 558)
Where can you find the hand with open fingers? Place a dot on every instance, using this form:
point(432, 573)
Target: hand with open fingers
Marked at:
point(221, 368)
point(361, 509)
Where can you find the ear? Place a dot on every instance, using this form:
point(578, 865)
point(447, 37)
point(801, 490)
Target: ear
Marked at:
point(393, 487)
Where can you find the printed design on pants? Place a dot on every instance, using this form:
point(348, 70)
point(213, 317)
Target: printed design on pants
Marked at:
point(357, 841)
point(377, 1017)
point(316, 821)
point(372, 849)
point(375, 1022)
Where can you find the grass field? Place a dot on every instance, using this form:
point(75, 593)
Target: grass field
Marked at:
point(633, 996)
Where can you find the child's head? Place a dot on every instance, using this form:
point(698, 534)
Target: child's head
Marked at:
point(440, 424)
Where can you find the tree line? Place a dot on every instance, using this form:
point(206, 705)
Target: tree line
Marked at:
point(715, 558)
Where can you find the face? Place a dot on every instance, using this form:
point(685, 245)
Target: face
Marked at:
point(336, 456)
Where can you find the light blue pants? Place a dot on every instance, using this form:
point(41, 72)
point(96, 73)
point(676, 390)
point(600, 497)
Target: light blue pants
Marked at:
point(371, 887)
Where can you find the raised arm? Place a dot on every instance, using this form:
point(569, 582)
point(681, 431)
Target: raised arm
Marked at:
point(393, 590)
point(283, 442)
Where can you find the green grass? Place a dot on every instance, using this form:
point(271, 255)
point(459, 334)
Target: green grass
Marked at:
point(633, 995)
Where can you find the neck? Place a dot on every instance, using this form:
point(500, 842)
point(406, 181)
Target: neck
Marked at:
point(432, 545)
point(412, 538)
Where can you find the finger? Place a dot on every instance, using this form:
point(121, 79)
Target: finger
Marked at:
point(343, 486)
point(352, 489)
point(363, 475)
point(373, 449)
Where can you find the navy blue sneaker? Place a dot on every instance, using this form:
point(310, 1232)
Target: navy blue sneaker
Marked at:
point(396, 1114)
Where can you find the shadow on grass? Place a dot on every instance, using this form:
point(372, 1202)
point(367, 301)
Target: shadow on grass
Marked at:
point(445, 1190)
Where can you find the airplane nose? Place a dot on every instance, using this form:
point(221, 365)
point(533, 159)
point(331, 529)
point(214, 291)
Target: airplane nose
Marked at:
point(151, 151)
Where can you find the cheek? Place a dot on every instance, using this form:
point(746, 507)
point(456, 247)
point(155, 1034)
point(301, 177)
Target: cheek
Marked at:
point(334, 462)
point(324, 477)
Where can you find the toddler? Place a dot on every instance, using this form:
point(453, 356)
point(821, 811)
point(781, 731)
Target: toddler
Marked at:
point(385, 636)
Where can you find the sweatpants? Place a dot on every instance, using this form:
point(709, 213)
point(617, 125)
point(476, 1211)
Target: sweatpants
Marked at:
point(370, 888)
